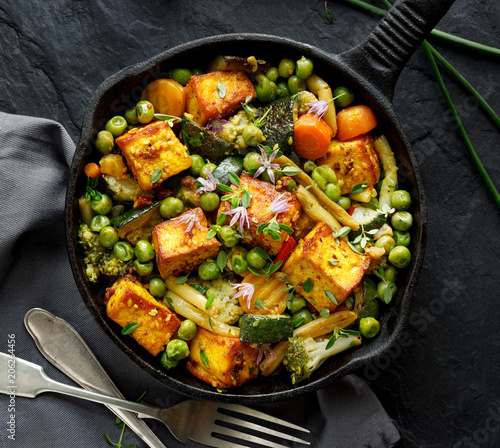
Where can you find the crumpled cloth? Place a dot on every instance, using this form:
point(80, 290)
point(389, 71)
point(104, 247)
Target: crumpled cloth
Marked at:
point(35, 155)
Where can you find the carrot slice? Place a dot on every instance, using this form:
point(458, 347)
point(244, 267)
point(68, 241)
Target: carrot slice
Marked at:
point(312, 136)
point(355, 120)
point(92, 170)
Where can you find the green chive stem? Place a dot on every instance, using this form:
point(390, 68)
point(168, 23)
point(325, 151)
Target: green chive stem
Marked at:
point(461, 129)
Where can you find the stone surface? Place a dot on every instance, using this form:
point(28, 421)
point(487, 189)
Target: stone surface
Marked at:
point(441, 383)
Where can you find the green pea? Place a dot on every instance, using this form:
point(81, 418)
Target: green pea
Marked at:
point(286, 68)
point(266, 178)
point(102, 206)
point(98, 222)
point(402, 221)
point(116, 126)
point(108, 236)
point(282, 90)
point(296, 85)
point(167, 362)
point(292, 185)
point(187, 330)
point(369, 327)
point(401, 200)
point(197, 163)
point(332, 191)
point(255, 260)
point(386, 242)
point(309, 166)
point(208, 168)
point(209, 270)
point(252, 135)
point(402, 238)
point(317, 176)
point(209, 201)
point(239, 264)
point(303, 316)
point(383, 285)
point(251, 161)
point(197, 71)
point(390, 274)
point(328, 174)
point(297, 304)
point(272, 74)
point(373, 204)
point(144, 251)
point(263, 88)
point(131, 115)
point(157, 288)
point(400, 256)
point(123, 251)
point(344, 202)
point(304, 68)
point(104, 142)
point(171, 207)
point(343, 96)
point(143, 269)
point(177, 349)
point(145, 111)
point(228, 236)
point(274, 88)
point(181, 75)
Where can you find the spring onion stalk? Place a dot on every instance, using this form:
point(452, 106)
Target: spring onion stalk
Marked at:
point(461, 129)
point(492, 51)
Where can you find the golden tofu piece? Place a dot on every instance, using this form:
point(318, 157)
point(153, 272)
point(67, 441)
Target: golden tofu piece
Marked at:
point(179, 250)
point(230, 362)
point(131, 302)
point(204, 101)
point(151, 147)
point(354, 162)
point(310, 261)
point(263, 194)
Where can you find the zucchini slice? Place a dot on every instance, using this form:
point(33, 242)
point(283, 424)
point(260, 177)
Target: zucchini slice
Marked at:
point(233, 164)
point(279, 127)
point(368, 218)
point(371, 305)
point(265, 329)
point(138, 224)
point(200, 141)
point(121, 191)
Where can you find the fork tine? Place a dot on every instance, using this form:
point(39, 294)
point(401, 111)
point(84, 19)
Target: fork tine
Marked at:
point(219, 443)
point(255, 427)
point(248, 438)
point(263, 416)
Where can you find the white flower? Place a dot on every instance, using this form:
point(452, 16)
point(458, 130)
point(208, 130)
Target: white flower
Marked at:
point(241, 215)
point(209, 184)
point(318, 108)
point(279, 205)
point(191, 218)
point(266, 164)
point(244, 290)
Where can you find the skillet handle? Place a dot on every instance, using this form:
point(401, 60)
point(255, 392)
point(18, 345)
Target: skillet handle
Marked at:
point(381, 56)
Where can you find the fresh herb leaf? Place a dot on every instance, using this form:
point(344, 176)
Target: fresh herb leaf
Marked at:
point(221, 88)
point(328, 13)
point(353, 248)
point(388, 293)
point(170, 119)
point(351, 332)
point(331, 341)
point(325, 312)
point(359, 188)
point(259, 303)
point(247, 108)
point(212, 232)
point(210, 301)
point(331, 297)
point(307, 286)
point(169, 301)
point(246, 197)
point(334, 262)
point(130, 327)
point(262, 253)
point(344, 231)
point(275, 267)
point(221, 260)
point(233, 178)
point(349, 303)
point(291, 171)
point(201, 289)
point(156, 176)
point(181, 280)
point(298, 322)
point(221, 219)
point(204, 359)
point(211, 325)
point(286, 228)
point(254, 271)
point(224, 188)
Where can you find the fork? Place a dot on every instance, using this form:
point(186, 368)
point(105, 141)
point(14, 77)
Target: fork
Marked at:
point(30, 380)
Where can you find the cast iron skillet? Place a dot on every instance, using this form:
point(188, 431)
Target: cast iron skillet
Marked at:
point(371, 69)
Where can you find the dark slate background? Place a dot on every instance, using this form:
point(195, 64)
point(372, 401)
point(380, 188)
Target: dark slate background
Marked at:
point(441, 384)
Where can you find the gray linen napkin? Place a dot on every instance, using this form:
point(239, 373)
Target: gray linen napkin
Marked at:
point(35, 155)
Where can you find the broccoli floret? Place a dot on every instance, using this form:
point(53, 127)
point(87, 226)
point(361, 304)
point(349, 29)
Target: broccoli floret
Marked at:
point(98, 259)
point(304, 356)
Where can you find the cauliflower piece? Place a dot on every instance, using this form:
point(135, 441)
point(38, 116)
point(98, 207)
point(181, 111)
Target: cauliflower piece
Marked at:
point(224, 308)
point(306, 97)
point(99, 260)
point(233, 130)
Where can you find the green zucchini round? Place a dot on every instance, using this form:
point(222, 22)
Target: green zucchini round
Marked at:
point(265, 329)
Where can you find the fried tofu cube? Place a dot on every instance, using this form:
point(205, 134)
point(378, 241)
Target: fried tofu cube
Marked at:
point(181, 243)
point(150, 148)
point(230, 362)
point(310, 260)
point(131, 302)
point(354, 162)
point(263, 194)
point(204, 99)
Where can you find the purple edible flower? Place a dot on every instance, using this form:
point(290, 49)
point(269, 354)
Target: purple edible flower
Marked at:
point(279, 205)
point(191, 218)
point(318, 108)
point(266, 164)
point(265, 350)
point(216, 124)
point(244, 290)
point(209, 184)
point(241, 215)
